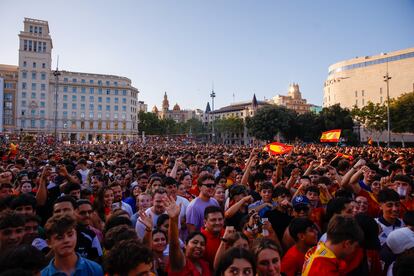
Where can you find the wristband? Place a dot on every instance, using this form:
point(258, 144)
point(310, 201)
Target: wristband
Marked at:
point(148, 229)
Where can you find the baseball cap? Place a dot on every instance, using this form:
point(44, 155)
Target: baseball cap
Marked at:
point(300, 200)
point(400, 240)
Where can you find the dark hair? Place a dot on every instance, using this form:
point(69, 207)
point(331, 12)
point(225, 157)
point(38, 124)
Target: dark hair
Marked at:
point(409, 218)
point(118, 233)
point(237, 190)
point(161, 219)
point(266, 186)
point(403, 266)
point(193, 234)
point(204, 177)
point(125, 256)
point(232, 238)
point(235, 253)
point(99, 204)
point(23, 200)
point(169, 181)
point(70, 187)
point(66, 198)
point(259, 177)
point(183, 176)
point(82, 202)
point(114, 221)
point(24, 257)
point(212, 209)
point(403, 178)
point(335, 206)
point(370, 228)
point(160, 231)
point(298, 226)
point(262, 244)
point(341, 228)
point(312, 189)
point(59, 224)
point(386, 195)
point(279, 190)
point(10, 219)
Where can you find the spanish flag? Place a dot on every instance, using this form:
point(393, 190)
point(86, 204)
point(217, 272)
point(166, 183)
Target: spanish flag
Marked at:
point(14, 149)
point(346, 156)
point(331, 135)
point(370, 142)
point(277, 148)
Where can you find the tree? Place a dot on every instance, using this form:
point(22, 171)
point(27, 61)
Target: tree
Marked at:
point(308, 125)
point(226, 127)
point(269, 121)
point(372, 116)
point(335, 117)
point(149, 123)
point(401, 113)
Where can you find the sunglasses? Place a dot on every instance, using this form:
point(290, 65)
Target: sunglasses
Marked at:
point(210, 185)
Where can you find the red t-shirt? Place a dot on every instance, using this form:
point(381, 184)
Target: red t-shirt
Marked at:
point(191, 270)
point(212, 245)
point(292, 262)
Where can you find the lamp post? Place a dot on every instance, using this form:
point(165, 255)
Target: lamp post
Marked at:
point(56, 73)
point(212, 95)
point(387, 79)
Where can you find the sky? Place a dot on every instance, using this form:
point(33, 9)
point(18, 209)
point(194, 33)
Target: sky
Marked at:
point(185, 47)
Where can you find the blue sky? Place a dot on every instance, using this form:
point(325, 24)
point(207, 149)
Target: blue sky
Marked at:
point(182, 47)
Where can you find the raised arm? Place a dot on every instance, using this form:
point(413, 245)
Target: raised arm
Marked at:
point(236, 206)
point(41, 194)
point(177, 258)
point(350, 179)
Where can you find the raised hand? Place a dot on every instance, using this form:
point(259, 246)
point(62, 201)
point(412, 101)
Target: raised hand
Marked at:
point(172, 209)
point(146, 219)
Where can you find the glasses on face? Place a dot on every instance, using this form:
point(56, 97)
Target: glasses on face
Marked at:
point(210, 185)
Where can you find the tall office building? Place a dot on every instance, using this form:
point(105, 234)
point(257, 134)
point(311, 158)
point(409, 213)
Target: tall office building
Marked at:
point(88, 106)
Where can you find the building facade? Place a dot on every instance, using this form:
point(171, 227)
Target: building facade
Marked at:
point(87, 107)
point(177, 114)
point(8, 93)
point(360, 80)
point(293, 100)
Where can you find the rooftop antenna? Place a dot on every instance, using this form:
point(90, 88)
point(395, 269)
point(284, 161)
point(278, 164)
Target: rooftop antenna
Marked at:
point(233, 98)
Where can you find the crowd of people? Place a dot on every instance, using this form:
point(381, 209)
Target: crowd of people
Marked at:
point(169, 207)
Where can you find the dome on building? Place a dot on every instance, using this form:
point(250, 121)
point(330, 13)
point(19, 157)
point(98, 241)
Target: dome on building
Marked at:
point(176, 107)
point(155, 109)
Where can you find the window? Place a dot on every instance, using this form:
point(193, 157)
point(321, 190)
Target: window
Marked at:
point(115, 108)
point(43, 96)
point(33, 95)
point(90, 114)
point(123, 108)
point(24, 95)
point(91, 106)
point(65, 80)
point(124, 125)
point(35, 46)
point(124, 92)
point(115, 83)
point(25, 46)
point(108, 115)
point(83, 90)
point(90, 81)
point(43, 87)
point(99, 115)
point(82, 106)
point(108, 91)
point(116, 91)
point(31, 29)
point(82, 98)
point(74, 80)
point(42, 113)
point(24, 64)
point(43, 65)
point(108, 83)
point(42, 104)
point(108, 108)
point(33, 86)
point(99, 99)
point(43, 75)
point(24, 85)
point(380, 90)
point(35, 29)
point(91, 98)
point(65, 124)
point(124, 100)
point(99, 125)
point(82, 115)
point(65, 97)
point(99, 107)
point(33, 112)
point(74, 89)
point(23, 123)
point(82, 80)
point(123, 116)
point(24, 75)
point(74, 98)
point(82, 126)
point(33, 75)
point(91, 90)
point(65, 89)
point(100, 91)
point(30, 45)
point(115, 115)
point(74, 106)
point(65, 106)
point(108, 100)
point(91, 124)
point(34, 64)
point(116, 100)
point(99, 82)
point(116, 125)
point(362, 92)
point(23, 103)
point(73, 113)
point(108, 125)
point(33, 123)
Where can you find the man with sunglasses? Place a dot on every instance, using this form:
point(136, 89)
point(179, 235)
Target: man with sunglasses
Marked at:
point(195, 210)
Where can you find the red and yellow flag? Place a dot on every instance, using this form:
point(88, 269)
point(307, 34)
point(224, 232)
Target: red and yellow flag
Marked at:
point(14, 149)
point(331, 135)
point(277, 148)
point(370, 142)
point(346, 156)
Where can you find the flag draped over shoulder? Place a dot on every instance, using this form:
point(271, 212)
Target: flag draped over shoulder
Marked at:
point(277, 148)
point(331, 135)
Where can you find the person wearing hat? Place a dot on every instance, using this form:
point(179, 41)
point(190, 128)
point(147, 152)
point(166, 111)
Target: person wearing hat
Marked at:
point(401, 243)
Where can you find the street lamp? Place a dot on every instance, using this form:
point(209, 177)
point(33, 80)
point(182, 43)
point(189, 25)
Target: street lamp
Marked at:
point(212, 95)
point(56, 73)
point(387, 79)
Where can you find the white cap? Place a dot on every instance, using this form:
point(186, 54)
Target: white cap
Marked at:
point(400, 240)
